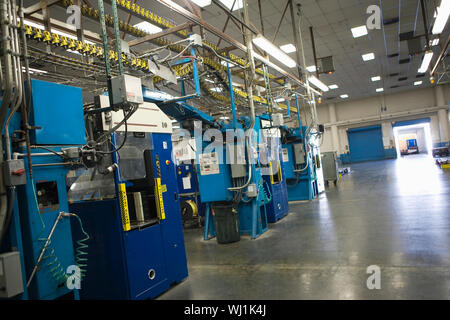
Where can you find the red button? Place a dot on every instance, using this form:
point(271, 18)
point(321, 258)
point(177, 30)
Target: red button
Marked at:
point(18, 172)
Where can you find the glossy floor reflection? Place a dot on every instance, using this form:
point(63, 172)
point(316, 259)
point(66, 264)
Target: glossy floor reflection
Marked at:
point(394, 214)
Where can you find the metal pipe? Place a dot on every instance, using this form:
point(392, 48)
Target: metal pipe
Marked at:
point(117, 34)
point(298, 115)
point(424, 17)
point(251, 76)
point(105, 49)
point(294, 33)
point(26, 100)
point(232, 101)
point(313, 44)
point(19, 88)
point(281, 20)
point(47, 242)
point(54, 164)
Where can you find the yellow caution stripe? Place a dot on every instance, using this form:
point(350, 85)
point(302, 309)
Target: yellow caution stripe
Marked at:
point(124, 207)
point(159, 199)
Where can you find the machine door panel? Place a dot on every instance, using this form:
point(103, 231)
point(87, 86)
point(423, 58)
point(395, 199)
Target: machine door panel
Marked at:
point(145, 260)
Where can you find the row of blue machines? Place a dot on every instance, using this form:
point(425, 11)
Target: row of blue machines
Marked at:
point(108, 225)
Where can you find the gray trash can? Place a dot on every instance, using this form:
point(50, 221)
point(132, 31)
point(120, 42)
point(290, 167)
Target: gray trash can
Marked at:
point(226, 221)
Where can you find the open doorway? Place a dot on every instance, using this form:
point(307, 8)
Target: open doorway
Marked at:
point(413, 139)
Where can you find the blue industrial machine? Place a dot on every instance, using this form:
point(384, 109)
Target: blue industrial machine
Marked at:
point(299, 164)
point(191, 207)
point(136, 237)
point(274, 178)
point(41, 225)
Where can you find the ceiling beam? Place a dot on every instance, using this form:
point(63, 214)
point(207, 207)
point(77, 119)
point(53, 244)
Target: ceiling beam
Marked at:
point(39, 6)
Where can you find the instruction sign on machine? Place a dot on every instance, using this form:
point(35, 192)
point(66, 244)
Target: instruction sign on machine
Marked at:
point(209, 163)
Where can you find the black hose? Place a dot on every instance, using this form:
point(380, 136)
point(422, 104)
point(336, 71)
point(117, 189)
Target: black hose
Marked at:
point(8, 214)
point(123, 142)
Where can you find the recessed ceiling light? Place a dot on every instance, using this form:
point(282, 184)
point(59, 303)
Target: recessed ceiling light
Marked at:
point(380, 90)
point(417, 83)
point(333, 86)
point(368, 56)
point(434, 42)
point(359, 31)
point(288, 48)
point(377, 78)
point(202, 3)
point(148, 27)
point(229, 3)
point(311, 68)
point(344, 96)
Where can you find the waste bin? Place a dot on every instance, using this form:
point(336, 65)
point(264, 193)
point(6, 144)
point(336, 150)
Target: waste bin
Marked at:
point(226, 221)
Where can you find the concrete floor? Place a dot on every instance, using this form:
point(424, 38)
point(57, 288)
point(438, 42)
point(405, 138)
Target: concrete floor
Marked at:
point(393, 213)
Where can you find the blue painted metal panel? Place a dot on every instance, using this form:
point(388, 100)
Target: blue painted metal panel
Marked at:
point(171, 227)
point(186, 171)
point(144, 252)
point(366, 144)
point(35, 231)
point(58, 110)
point(106, 271)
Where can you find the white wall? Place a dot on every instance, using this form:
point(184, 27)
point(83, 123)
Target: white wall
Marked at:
point(408, 105)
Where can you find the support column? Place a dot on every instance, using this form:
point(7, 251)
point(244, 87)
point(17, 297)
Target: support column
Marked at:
point(439, 96)
point(443, 125)
point(334, 129)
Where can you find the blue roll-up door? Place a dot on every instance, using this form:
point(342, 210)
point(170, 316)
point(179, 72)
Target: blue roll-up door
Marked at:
point(366, 144)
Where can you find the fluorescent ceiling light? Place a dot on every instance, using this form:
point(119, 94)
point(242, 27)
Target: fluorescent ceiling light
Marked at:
point(319, 84)
point(32, 70)
point(359, 31)
point(148, 27)
point(443, 12)
point(377, 78)
point(417, 83)
point(202, 3)
point(217, 89)
point(380, 90)
point(368, 56)
point(209, 80)
point(229, 3)
point(274, 51)
point(279, 100)
point(224, 118)
point(434, 42)
point(311, 68)
point(333, 86)
point(426, 61)
point(288, 48)
point(344, 96)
